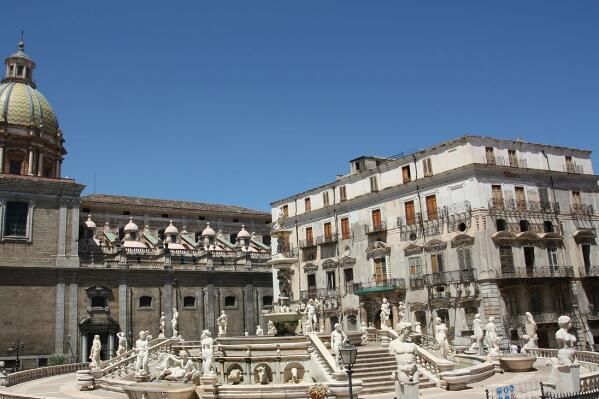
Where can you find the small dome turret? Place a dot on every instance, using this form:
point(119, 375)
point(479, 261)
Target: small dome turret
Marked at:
point(171, 229)
point(89, 223)
point(131, 227)
point(208, 231)
point(243, 233)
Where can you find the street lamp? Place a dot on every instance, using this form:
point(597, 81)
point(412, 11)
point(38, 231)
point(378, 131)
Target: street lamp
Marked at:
point(348, 356)
point(17, 347)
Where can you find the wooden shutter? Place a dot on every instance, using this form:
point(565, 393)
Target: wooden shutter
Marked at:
point(345, 228)
point(309, 236)
point(410, 212)
point(308, 204)
point(506, 259)
point(431, 207)
point(490, 155)
point(464, 259)
point(436, 263)
point(380, 272)
point(497, 196)
point(544, 199)
point(405, 171)
point(520, 198)
point(328, 232)
point(376, 218)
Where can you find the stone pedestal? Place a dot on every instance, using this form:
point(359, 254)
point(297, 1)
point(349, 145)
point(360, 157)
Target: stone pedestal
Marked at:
point(340, 386)
point(208, 386)
point(141, 377)
point(566, 377)
point(385, 340)
point(85, 380)
point(407, 390)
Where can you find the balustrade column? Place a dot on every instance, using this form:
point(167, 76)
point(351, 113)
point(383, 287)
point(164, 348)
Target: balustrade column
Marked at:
point(30, 163)
point(40, 163)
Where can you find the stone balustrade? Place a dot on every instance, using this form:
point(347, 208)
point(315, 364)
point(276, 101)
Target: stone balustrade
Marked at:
point(41, 372)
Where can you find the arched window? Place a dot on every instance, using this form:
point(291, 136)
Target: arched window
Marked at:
point(266, 301)
point(98, 302)
point(189, 302)
point(524, 225)
point(501, 225)
point(145, 301)
point(230, 302)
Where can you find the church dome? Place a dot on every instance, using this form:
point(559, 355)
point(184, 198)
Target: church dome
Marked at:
point(22, 105)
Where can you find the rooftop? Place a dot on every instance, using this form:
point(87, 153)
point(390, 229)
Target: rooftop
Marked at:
point(107, 199)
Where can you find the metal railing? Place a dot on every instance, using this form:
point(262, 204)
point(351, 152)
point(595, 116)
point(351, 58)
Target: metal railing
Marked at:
point(590, 271)
point(523, 206)
point(535, 272)
point(450, 277)
point(582, 209)
point(307, 243)
point(416, 283)
point(573, 168)
point(327, 239)
point(375, 228)
point(381, 285)
point(320, 293)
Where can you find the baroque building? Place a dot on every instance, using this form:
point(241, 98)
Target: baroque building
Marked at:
point(102, 264)
point(472, 225)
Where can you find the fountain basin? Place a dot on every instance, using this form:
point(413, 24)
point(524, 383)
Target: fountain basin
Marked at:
point(517, 362)
point(285, 322)
point(160, 390)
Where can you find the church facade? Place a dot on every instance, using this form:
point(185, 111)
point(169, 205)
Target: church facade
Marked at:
point(74, 266)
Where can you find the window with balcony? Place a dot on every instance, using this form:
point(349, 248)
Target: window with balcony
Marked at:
point(501, 225)
point(325, 198)
point(380, 270)
point(286, 210)
point(431, 207)
point(544, 203)
point(405, 172)
point(465, 260)
point(497, 196)
point(506, 259)
point(331, 280)
point(311, 283)
point(548, 226)
point(342, 194)
point(374, 184)
point(415, 265)
point(513, 157)
point(309, 235)
point(529, 258)
point(569, 164)
point(436, 263)
point(586, 255)
point(490, 155)
point(16, 218)
point(328, 231)
point(427, 166)
point(307, 204)
point(524, 225)
point(345, 232)
point(576, 201)
point(376, 220)
point(348, 277)
point(552, 256)
point(410, 212)
point(520, 198)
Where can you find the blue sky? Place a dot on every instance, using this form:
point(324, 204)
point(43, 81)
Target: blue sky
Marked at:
point(246, 102)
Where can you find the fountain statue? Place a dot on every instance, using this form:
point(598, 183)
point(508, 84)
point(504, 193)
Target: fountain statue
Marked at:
point(183, 369)
point(234, 377)
point(491, 338)
point(566, 342)
point(262, 376)
point(207, 352)
point(221, 321)
point(162, 326)
point(401, 313)
point(259, 330)
point(338, 338)
point(565, 372)
point(385, 314)
point(141, 363)
point(531, 333)
point(477, 337)
point(284, 319)
point(175, 323)
point(406, 377)
point(122, 343)
point(312, 319)
point(271, 328)
point(441, 336)
point(95, 352)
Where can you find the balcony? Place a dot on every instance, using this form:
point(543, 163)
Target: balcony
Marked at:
point(307, 243)
point(536, 272)
point(416, 283)
point(373, 287)
point(451, 277)
point(327, 239)
point(319, 293)
point(375, 228)
point(582, 209)
point(573, 168)
point(590, 271)
point(516, 206)
point(512, 162)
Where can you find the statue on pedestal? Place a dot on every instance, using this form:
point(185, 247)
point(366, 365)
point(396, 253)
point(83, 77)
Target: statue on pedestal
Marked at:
point(401, 313)
point(222, 324)
point(141, 350)
point(259, 330)
point(441, 336)
point(385, 314)
point(566, 342)
point(338, 337)
point(95, 352)
point(162, 326)
point(272, 330)
point(175, 323)
point(312, 319)
point(405, 354)
point(183, 369)
point(531, 333)
point(207, 352)
point(122, 343)
point(477, 337)
point(491, 338)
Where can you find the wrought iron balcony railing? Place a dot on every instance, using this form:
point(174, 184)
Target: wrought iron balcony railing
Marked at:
point(319, 293)
point(536, 272)
point(500, 204)
point(450, 277)
point(307, 243)
point(582, 209)
point(589, 271)
point(327, 239)
point(416, 283)
point(379, 286)
point(375, 228)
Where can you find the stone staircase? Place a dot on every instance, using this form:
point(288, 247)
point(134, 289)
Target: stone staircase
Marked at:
point(374, 365)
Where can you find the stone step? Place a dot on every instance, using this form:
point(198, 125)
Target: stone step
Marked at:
point(358, 369)
point(365, 362)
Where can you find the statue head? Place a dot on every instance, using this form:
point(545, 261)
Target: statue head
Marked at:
point(183, 355)
point(438, 320)
point(564, 321)
point(384, 300)
point(403, 327)
point(337, 327)
point(477, 316)
point(96, 337)
point(528, 316)
point(491, 319)
point(174, 310)
point(142, 335)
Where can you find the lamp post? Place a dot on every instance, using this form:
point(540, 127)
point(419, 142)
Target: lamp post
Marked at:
point(348, 356)
point(17, 347)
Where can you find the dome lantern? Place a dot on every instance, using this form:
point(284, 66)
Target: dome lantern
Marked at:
point(19, 66)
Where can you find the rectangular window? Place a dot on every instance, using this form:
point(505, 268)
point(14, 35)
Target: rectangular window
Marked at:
point(436, 263)
point(345, 228)
point(325, 198)
point(536, 301)
point(15, 223)
point(20, 70)
point(380, 270)
point(552, 255)
point(513, 157)
point(427, 165)
point(331, 281)
point(405, 172)
point(576, 201)
point(376, 219)
point(309, 236)
point(307, 205)
point(431, 207)
point(374, 185)
point(529, 257)
point(586, 255)
point(415, 266)
point(286, 210)
point(464, 259)
point(520, 198)
point(410, 212)
point(560, 304)
point(497, 196)
point(569, 164)
point(511, 304)
point(348, 276)
point(14, 167)
point(342, 193)
point(328, 231)
point(506, 259)
point(490, 155)
point(544, 203)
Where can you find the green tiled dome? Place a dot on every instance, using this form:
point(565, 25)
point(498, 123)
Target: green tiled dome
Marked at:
point(21, 104)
